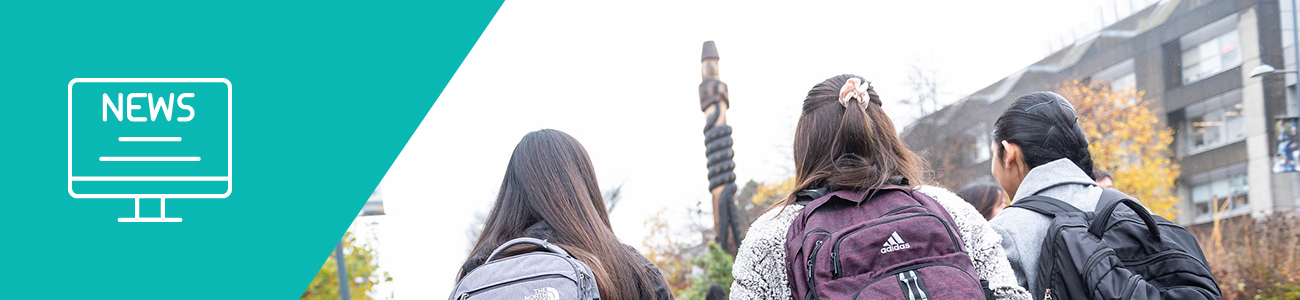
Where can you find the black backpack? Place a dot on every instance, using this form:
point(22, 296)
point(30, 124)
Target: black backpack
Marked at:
point(1109, 254)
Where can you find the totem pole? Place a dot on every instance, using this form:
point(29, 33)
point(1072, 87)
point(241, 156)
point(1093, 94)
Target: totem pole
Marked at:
point(717, 141)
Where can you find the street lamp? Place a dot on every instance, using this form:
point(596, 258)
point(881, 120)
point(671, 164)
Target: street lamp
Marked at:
point(1262, 70)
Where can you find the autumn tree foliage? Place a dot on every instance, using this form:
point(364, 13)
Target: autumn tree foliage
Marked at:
point(671, 251)
point(680, 245)
point(1127, 140)
point(362, 266)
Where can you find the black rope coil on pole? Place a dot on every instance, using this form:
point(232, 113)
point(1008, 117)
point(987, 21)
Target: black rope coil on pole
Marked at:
point(717, 138)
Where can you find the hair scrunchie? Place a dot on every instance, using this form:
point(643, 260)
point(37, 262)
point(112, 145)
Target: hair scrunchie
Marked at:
point(855, 90)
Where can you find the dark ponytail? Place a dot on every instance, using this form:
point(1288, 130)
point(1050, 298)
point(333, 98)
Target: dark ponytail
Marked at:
point(1046, 128)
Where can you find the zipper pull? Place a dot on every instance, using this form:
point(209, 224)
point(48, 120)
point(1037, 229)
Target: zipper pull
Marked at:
point(582, 280)
point(835, 262)
point(810, 270)
point(1047, 295)
point(463, 296)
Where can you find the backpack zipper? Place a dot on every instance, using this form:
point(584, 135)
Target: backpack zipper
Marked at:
point(582, 282)
point(1163, 254)
point(913, 268)
point(835, 262)
point(812, 260)
point(812, 257)
point(1047, 262)
point(1132, 286)
point(466, 295)
point(904, 207)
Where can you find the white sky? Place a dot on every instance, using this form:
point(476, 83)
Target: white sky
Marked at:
point(622, 78)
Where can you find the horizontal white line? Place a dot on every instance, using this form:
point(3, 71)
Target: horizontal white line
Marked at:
point(148, 158)
point(149, 139)
point(169, 220)
point(152, 196)
point(75, 80)
point(150, 178)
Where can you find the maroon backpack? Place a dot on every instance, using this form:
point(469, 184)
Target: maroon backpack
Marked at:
point(886, 243)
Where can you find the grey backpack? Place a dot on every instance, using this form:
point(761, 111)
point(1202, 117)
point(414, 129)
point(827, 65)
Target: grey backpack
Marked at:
point(548, 273)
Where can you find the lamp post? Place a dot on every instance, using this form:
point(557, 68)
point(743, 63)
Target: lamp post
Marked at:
point(373, 207)
point(344, 292)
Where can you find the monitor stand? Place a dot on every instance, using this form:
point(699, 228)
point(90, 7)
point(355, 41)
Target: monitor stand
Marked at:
point(162, 214)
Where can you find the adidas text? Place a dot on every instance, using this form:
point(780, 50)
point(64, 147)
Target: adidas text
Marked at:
point(893, 248)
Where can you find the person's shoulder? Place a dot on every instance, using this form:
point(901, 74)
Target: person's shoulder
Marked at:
point(1012, 219)
point(949, 200)
point(772, 226)
point(935, 191)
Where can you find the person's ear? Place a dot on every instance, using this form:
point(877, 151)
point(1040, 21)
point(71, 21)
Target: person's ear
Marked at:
point(1011, 156)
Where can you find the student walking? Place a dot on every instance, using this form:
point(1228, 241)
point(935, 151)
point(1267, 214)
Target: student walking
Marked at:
point(847, 153)
point(550, 194)
point(1057, 247)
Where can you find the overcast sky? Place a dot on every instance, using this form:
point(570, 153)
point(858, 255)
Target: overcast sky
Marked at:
point(622, 78)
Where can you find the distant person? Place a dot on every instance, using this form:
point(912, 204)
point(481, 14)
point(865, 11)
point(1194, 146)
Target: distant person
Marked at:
point(1103, 179)
point(715, 293)
point(550, 193)
point(844, 144)
point(987, 198)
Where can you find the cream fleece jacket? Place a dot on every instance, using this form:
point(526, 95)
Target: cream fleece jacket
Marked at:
point(759, 269)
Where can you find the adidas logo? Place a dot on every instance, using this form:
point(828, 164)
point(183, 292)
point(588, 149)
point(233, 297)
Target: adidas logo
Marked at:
point(894, 243)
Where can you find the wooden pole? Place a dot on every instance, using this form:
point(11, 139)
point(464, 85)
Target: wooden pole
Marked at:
point(717, 140)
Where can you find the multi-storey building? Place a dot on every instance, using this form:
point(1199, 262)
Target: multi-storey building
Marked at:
point(1193, 60)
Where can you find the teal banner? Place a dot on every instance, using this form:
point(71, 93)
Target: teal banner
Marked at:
point(205, 150)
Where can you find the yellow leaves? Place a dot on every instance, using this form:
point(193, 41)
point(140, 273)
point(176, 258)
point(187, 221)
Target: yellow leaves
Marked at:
point(667, 251)
point(769, 193)
point(1127, 141)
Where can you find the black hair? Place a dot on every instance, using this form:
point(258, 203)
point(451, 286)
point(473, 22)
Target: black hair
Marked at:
point(1046, 128)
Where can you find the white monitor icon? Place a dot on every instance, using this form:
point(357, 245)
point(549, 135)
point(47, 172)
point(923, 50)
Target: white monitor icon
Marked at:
point(133, 138)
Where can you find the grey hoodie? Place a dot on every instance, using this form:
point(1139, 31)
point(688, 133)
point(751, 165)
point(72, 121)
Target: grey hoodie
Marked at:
point(1023, 231)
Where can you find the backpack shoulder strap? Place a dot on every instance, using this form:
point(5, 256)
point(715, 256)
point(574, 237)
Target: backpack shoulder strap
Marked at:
point(1046, 206)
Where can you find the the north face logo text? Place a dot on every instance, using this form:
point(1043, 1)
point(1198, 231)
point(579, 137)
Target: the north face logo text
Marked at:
point(547, 293)
point(894, 243)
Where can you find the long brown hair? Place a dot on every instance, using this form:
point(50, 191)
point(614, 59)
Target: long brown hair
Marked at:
point(550, 178)
point(848, 147)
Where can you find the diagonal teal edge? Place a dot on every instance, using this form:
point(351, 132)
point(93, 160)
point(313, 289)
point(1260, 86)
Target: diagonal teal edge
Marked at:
point(326, 94)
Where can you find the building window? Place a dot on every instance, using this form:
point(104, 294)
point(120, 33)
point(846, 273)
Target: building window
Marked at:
point(1215, 122)
point(1120, 77)
point(1210, 50)
point(1224, 190)
point(1124, 82)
